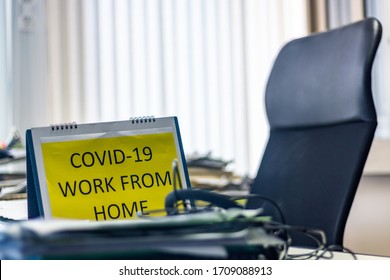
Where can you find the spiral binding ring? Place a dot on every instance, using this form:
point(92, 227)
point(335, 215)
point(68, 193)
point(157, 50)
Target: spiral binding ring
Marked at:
point(144, 119)
point(63, 126)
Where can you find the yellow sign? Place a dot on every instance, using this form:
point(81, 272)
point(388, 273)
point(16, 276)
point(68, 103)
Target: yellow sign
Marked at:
point(109, 178)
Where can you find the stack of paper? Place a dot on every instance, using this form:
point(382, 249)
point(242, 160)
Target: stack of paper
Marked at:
point(209, 235)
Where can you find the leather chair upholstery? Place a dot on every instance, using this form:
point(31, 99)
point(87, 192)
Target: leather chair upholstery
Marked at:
point(322, 121)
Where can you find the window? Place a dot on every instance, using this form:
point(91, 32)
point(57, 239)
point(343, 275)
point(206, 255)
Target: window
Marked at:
point(205, 61)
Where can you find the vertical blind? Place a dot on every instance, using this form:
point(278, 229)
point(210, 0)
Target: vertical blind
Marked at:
point(205, 61)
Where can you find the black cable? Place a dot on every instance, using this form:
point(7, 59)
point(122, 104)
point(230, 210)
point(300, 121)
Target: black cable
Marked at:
point(317, 235)
point(315, 251)
point(335, 248)
point(321, 251)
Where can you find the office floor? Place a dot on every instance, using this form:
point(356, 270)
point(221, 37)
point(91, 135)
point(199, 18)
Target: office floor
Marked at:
point(368, 226)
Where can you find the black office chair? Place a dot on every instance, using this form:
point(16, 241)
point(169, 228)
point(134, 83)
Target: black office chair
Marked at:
point(322, 122)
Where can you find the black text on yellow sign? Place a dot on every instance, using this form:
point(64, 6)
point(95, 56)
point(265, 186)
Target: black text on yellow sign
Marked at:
point(109, 178)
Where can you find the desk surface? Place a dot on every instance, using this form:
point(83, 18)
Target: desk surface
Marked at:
point(335, 255)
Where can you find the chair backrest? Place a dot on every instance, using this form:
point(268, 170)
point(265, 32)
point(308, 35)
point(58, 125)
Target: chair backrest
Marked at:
point(322, 121)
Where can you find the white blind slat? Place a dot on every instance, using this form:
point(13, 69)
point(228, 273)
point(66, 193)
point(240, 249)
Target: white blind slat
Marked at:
point(226, 106)
point(213, 126)
point(182, 80)
point(123, 61)
point(90, 61)
point(240, 120)
point(55, 55)
point(197, 74)
point(107, 59)
point(73, 45)
point(155, 90)
point(138, 67)
point(168, 56)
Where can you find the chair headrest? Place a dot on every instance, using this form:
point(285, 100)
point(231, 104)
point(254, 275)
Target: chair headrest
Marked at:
point(324, 78)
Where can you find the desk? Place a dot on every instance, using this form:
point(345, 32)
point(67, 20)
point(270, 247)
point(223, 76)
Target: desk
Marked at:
point(336, 255)
point(17, 210)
